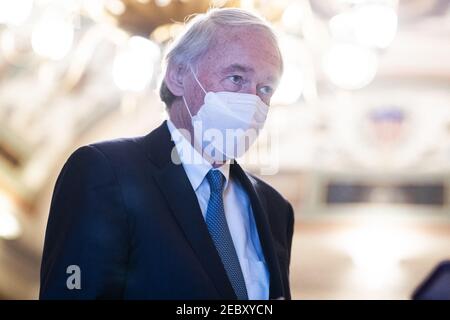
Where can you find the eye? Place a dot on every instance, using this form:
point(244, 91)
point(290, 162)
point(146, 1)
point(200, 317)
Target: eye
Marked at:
point(236, 79)
point(266, 90)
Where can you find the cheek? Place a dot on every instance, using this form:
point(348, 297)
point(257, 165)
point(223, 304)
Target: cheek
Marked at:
point(211, 83)
point(209, 76)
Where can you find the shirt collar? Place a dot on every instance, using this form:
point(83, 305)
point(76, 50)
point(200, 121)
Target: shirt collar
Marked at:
point(195, 166)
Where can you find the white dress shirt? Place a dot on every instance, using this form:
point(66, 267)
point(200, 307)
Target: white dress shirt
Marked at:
point(238, 213)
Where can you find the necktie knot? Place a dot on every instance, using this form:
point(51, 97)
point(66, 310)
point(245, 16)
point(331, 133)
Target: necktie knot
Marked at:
point(215, 179)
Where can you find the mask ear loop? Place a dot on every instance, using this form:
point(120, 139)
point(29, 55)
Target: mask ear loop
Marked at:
point(196, 79)
point(186, 105)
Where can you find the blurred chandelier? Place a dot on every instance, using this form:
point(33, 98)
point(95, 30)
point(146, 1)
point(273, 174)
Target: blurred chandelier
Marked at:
point(336, 30)
point(322, 42)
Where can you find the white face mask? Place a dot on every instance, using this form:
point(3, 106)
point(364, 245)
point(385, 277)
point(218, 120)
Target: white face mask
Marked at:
point(228, 123)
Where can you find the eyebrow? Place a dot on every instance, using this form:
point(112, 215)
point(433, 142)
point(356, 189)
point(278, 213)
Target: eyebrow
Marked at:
point(238, 67)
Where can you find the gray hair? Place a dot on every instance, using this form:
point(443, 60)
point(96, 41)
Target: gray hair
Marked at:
point(198, 37)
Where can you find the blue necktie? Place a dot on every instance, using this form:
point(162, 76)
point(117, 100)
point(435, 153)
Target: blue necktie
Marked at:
point(220, 233)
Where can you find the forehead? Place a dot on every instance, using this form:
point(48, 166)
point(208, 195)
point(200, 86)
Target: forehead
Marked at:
point(243, 46)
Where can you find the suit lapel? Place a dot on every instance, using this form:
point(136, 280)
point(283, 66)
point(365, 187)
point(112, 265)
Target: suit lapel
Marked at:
point(174, 184)
point(265, 235)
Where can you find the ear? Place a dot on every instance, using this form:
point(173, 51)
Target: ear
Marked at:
point(174, 79)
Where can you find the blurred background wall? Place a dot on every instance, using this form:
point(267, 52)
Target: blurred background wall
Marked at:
point(359, 127)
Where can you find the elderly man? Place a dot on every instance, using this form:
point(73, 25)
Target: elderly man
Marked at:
point(171, 215)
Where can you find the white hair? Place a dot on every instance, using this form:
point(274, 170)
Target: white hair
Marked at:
point(198, 37)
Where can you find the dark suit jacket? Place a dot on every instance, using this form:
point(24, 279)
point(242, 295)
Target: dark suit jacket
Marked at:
point(128, 217)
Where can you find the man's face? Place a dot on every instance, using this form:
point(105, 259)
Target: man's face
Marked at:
point(243, 59)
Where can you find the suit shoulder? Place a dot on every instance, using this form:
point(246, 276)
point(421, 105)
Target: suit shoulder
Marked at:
point(270, 192)
point(97, 159)
point(86, 165)
point(112, 152)
point(274, 200)
point(116, 146)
